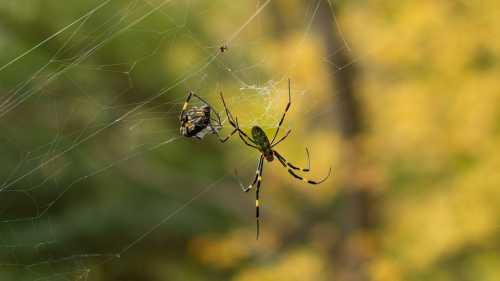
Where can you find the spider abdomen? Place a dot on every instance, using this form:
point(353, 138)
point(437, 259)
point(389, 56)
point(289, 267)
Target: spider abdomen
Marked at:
point(261, 139)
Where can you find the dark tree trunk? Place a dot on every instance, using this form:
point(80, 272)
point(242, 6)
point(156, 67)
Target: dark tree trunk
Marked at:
point(355, 209)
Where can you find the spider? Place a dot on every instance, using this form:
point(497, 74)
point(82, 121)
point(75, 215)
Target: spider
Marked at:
point(197, 121)
point(223, 48)
point(260, 141)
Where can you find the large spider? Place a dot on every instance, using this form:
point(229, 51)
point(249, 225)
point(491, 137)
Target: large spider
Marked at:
point(260, 141)
point(197, 121)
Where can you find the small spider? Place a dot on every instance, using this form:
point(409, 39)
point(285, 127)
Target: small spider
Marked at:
point(223, 48)
point(260, 141)
point(197, 121)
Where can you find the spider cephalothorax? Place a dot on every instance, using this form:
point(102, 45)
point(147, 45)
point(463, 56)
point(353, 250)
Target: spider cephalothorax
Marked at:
point(260, 141)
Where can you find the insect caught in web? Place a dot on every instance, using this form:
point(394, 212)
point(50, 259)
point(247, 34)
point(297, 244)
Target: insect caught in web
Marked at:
point(198, 121)
point(260, 141)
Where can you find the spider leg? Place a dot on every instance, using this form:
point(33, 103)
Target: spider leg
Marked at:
point(292, 167)
point(242, 135)
point(308, 180)
point(284, 114)
point(257, 205)
point(257, 174)
point(184, 107)
point(228, 112)
point(256, 182)
point(285, 163)
point(201, 99)
point(282, 139)
point(246, 142)
point(223, 140)
point(216, 132)
point(216, 120)
point(234, 122)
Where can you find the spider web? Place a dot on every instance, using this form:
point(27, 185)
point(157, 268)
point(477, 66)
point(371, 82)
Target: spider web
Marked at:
point(71, 125)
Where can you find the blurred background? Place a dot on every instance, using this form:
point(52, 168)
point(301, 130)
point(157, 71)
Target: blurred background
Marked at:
point(400, 98)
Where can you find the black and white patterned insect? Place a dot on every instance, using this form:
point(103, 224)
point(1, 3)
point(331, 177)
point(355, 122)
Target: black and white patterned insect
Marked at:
point(198, 121)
